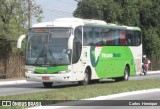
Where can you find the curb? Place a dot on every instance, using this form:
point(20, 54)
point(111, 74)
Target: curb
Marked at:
point(153, 72)
point(10, 82)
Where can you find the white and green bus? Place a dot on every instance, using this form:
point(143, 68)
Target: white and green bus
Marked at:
point(81, 50)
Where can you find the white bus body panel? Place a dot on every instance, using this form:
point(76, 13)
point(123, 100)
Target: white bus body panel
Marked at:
point(137, 54)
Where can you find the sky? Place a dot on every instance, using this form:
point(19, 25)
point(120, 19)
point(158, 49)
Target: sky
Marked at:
point(53, 9)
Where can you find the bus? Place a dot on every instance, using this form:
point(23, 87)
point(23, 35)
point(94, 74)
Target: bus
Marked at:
point(81, 50)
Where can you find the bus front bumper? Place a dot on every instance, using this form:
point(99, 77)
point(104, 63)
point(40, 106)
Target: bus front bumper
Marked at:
point(48, 77)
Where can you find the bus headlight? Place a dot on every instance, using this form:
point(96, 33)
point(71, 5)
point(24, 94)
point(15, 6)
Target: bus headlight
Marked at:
point(29, 71)
point(64, 72)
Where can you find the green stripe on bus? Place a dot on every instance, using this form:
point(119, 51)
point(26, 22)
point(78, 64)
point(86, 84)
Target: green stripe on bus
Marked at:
point(50, 70)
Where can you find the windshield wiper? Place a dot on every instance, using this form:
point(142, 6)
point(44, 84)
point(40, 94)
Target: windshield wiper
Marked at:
point(40, 55)
point(44, 49)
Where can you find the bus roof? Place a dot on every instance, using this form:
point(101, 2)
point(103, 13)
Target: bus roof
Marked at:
point(69, 22)
point(73, 22)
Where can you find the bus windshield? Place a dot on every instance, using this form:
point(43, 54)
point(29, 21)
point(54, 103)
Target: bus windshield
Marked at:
point(48, 47)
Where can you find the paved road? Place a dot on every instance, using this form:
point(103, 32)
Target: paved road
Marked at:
point(30, 87)
point(145, 76)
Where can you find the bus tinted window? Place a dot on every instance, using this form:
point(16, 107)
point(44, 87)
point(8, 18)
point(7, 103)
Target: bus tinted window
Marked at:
point(137, 35)
point(97, 36)
point(122, 36)
point(115, 35)
point(87, 36)
point(107, 37)
point(130, 38)
point(133, 38)
point(78, 34)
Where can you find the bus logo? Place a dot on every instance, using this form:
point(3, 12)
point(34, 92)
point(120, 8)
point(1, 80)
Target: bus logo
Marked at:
point(113, 55)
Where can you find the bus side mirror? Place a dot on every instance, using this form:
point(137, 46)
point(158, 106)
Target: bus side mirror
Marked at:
point(20, 39)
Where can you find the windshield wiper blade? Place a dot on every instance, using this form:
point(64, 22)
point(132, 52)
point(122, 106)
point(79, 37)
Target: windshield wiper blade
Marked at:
point(39, 55)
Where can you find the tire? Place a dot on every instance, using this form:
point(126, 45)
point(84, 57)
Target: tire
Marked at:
point(94, 81)
point(86, 78)
point(118, 79)
point(125, 77)
point(144, 71)
point(126, 74)
point(47, 84)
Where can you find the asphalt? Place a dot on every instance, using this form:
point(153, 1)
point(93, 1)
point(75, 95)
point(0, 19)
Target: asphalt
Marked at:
point(23, 81)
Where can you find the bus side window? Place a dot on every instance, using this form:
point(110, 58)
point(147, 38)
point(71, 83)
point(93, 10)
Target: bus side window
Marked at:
point(104, 36)
point(122, 35)
point(85, 39)
point(115, 35)
point(130, 38)
point(128, 41)
point(87, 36)
point(109, 38)
point(78, 34)
point(97, 36)
point(103, 39)
point(90, 38)
point(137, 36)
point(94, 38)
point(98, 40)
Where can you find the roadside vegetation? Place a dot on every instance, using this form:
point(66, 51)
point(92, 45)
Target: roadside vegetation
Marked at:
point(14, 21)
point(74, 92)
point(59, 94)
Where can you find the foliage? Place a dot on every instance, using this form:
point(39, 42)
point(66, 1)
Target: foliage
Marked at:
point(13, 23)
point(144, 14)
point(13, 17)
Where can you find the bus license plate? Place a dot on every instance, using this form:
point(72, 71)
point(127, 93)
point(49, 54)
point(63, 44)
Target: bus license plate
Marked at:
point(45, 78)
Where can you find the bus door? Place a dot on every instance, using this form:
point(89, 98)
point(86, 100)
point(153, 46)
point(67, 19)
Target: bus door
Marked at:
point(77, 49)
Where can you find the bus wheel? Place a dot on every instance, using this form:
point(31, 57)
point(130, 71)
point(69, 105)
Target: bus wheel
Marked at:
point(118, 79)
point(47, 84)
point(125, 77)
point(86, 78)
point(126, 74)
point(95, 81)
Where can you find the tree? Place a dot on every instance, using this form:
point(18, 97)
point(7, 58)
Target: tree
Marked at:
point(87, 9)
point(13, 17)
point(141, 13)
point(13, 23)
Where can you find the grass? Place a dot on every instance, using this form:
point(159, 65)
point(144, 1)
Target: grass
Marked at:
point(93, 90)
point(89, 91)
